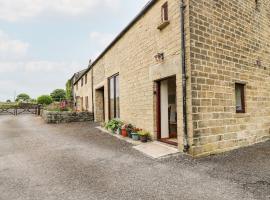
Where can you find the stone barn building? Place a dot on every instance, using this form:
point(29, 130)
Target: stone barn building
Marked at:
point(195, 73)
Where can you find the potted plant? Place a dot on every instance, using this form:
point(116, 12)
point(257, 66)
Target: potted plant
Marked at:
point(124, 131)
point(113, 125)
point(135, 135)
point(119, 130)
point(143, 136)
point(129, 128)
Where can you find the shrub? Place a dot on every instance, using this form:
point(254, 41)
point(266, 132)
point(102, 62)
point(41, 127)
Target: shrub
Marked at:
point(114, 124)
point(69, 90)
point(44, 100)
point(58, 95)
point(143, 133)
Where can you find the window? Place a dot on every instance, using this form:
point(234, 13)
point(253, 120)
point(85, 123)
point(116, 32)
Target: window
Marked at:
point(257, 4)
point(86, 103)
point(114, 97)
point(82, 109)
point(164, 12)
point(82, 81)
point(240, 98)
point(85, 79)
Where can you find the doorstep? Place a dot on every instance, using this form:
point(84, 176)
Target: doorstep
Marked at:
point(127, 139)
point(156, 149)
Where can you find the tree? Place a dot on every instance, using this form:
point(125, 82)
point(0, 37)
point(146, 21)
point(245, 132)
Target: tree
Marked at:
point(69, 90)
point(23, 97)
point(58, 95)
point(44, 100)
point(8, 101)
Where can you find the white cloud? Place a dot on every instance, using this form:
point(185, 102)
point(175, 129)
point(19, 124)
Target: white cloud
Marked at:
point(14, 10)
point(41, 66)
point(11, 48)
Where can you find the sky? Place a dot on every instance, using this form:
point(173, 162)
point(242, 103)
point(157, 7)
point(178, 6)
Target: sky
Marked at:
point(44, 42)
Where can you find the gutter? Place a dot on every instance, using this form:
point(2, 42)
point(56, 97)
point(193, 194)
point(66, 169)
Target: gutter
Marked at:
point(184, 76)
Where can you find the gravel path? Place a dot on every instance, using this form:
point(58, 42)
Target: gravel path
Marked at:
point(78, 162)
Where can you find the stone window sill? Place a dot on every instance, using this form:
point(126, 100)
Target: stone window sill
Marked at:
point(241, 115)
point(163, 25)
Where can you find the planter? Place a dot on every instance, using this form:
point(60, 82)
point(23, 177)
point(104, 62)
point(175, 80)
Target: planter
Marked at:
point(144, 138)
point(135, 136)
point(124, 132)
point(119, 131)
point(129, 134)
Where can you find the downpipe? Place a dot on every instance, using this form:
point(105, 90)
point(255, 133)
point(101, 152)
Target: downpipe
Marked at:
point(184, 76)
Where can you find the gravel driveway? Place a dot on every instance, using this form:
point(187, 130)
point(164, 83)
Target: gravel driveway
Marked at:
point(78, 162)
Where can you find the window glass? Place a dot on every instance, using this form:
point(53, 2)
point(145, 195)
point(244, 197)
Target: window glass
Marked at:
point(240, 98)
point(164, 12)
point(114, 97)
point(117, 96)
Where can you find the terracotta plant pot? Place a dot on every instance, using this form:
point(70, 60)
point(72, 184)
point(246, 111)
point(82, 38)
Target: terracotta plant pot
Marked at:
point(144, 138)
point(124, 132)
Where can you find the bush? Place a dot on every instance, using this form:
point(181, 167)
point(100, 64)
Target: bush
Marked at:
point(57, 107)
point(143, 133)
point(44, 100)
point(114, 124)
point(58, 95)
point(69, 90)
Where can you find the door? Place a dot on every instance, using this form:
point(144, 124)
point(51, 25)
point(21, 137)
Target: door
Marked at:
point(100, 105)
point(167, 111)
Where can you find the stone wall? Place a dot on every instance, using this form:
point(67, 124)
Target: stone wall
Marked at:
point(229, 43)
point(52, 117)
point(133, 58)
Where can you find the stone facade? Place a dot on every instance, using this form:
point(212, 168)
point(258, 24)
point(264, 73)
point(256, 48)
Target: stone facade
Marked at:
point(83, 94)
point(51, 117)
point(227, 42)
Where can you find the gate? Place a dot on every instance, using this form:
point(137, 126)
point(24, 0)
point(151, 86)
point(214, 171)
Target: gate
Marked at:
point(22, 108)
point(25, 108)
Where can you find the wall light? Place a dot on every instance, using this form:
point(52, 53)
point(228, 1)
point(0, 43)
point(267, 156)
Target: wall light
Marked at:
point(159, 57)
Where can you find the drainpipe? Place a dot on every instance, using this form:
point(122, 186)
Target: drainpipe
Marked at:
point(184, 75)
point(92, 84)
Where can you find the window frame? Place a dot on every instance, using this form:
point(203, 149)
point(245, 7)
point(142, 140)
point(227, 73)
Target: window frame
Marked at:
point(82, 82)
point(241, 86)
point(114, 99)
point(86, 103)
point(165, 12)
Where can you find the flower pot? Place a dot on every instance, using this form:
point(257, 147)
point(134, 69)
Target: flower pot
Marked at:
point(135, 136)
point(119, 131)
point(129, 134)
point(124, 132)
point(144, 138)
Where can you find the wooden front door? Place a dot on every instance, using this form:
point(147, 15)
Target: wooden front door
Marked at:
point(167, 111)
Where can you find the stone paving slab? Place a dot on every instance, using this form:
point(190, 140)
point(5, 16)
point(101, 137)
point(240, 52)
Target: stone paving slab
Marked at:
point(156, 149)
